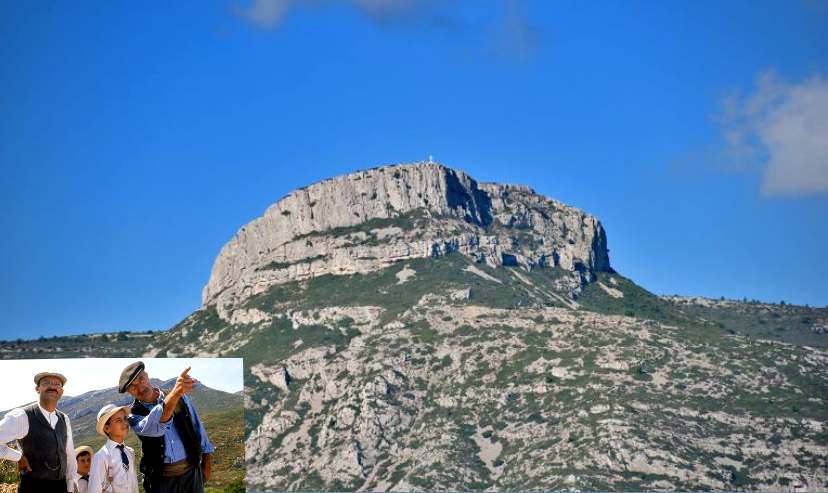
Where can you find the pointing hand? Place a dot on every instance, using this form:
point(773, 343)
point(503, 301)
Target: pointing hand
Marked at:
point(184, 383)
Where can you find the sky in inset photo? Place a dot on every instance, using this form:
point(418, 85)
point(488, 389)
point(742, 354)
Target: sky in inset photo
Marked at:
point(84, 375)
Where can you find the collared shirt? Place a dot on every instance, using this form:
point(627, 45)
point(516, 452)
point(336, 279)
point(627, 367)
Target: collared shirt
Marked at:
point(15, 425)
point(107, 464)
point(81, 483)
point(151, 425)
point(51, 416)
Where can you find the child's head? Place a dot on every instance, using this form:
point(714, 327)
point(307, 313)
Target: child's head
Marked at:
point(112, 422)
point(84, 457)
point(117, 426)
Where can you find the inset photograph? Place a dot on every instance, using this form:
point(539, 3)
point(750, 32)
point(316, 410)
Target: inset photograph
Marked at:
point(122, 425)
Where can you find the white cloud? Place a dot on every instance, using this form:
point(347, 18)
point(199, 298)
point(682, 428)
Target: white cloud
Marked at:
point(264, 14)
point(516, 37)
point(511, 35)
point(268, 14)
point(784, 128)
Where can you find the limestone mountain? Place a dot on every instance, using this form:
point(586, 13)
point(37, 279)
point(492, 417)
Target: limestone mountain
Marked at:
point(369, 220)
point(407, 328)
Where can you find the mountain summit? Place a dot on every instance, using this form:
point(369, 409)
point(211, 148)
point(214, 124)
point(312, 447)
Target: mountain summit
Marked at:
point(368, 220)
point(407, 328)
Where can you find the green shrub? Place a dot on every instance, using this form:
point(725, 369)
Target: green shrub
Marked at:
point(235, 486)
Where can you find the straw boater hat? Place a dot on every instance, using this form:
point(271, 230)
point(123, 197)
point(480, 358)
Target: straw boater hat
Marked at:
point(105, 413)
point(42, 374)
point(82, 449)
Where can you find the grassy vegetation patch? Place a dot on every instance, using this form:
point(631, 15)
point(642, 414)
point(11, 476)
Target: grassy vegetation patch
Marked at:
point(410, 221)
point(778, 322)
point(274, 265)
point(381, 288)
point(636, 302)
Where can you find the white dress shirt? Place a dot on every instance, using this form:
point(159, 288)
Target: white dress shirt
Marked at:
point(81, 485)
point(106, 464)
point(15, 425)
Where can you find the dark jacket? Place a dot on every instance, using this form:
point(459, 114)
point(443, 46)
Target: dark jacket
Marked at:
point(152, 456)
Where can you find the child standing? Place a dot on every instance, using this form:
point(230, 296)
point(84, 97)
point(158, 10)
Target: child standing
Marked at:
point(84, 457)
point(113, 468)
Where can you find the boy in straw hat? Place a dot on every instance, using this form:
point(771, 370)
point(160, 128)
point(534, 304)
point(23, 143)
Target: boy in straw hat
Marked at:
point(84, 457)
point(47, 462)
point(113, 467)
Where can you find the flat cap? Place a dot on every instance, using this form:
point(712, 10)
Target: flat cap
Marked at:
point(39, 377)
point(129, 374)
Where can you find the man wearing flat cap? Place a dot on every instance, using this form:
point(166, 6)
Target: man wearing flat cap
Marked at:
point(47, 463)
point(175, 449)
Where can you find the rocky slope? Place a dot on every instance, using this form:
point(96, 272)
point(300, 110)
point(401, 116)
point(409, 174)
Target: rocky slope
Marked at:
point(777, 321)
point(406, 328)
point(442, 374)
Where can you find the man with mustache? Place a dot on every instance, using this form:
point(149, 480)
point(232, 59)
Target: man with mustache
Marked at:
point(47, 463)
point(176, 452)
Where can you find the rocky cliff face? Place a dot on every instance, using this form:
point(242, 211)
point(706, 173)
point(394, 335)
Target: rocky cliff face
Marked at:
point(408, 329)
point(368, 220)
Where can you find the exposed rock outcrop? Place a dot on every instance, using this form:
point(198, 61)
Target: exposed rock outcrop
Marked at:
point(449, 366)
point(365, 221)
point(452, 363)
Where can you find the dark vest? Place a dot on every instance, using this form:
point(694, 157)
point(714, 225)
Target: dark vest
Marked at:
point(152, 456)
point(45, 447)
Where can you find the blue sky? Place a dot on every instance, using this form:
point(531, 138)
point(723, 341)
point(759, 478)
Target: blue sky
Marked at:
point(137, 139)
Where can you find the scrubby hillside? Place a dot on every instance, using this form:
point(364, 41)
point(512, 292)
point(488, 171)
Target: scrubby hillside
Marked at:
point(443, 374)
point(407, 328)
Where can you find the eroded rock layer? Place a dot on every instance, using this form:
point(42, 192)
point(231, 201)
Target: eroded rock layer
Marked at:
point(368, 220)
